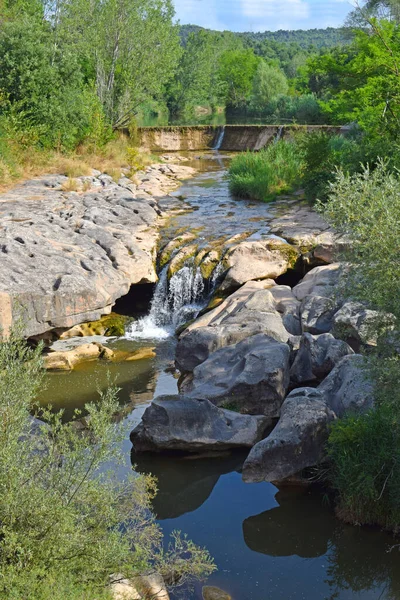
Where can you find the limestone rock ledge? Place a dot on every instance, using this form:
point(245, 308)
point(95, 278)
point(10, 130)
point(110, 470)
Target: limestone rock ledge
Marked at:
point(66, 257)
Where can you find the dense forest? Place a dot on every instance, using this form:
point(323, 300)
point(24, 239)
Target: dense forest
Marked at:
point(305, 39)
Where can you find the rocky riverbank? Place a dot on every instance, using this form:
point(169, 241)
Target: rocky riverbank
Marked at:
point(284, 357)
point(67, 256)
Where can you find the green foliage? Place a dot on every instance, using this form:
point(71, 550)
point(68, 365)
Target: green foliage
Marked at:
point(64, 518)
point(268, 83)
point(237, 71)
point(365, 454)
point(266, 174)
point(365, 450)
point(361, 83)
point(366, 206)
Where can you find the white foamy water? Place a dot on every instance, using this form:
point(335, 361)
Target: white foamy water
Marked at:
point(175, 301)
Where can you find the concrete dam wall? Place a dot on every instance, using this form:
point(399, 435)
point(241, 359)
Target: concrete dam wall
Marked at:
point(228, 137)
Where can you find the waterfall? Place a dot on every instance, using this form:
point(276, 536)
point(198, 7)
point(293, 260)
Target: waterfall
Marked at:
point(279, 134)
point(175, 301)
point(220, 139)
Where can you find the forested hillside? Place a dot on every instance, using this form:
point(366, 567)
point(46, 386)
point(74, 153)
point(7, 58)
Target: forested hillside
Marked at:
point(318, 38)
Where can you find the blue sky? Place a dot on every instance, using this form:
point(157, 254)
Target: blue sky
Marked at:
point(261, 15)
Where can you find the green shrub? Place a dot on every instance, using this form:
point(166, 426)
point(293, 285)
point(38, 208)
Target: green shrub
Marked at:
point(365, 457)
point(266, 174)
point(65, 520)
point(365, 450)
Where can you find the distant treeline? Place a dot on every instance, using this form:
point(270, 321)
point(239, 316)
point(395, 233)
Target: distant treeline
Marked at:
point(304, 38)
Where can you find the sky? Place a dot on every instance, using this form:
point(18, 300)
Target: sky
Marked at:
point(262, 15)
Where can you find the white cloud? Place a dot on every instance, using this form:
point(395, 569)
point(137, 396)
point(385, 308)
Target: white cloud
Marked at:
point(272, 8)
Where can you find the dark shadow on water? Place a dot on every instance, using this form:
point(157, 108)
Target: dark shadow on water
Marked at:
point(184, 482)
point(298, 526)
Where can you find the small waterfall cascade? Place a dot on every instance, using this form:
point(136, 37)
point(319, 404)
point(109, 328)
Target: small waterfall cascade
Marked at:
point(220, 139)
point(279, 134)
point(176, 300)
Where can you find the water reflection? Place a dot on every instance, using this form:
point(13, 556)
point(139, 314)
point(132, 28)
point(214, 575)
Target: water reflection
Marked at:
point(137, 380)
point(184, 483)
point(299, 526)
point(270, 543)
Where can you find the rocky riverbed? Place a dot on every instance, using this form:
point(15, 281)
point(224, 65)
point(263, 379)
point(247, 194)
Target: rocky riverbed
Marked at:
point(67, 256)
point(266, 355)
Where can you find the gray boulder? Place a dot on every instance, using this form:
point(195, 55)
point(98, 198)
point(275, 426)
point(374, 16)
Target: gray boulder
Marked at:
point(296, 442)
point(317, 314)
point(250, 310)
point(299, 438)
point(316, 357)
point(356, 324)
point(321, 281)
point(197, 345)
point(193, 425)
point(252, 260)
point(349, 388)
point(252, 376)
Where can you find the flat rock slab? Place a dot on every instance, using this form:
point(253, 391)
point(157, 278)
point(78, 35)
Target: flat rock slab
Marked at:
point(193, 425)
point(66, 257)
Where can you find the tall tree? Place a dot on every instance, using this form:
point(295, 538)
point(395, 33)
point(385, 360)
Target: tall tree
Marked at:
point(269, 82)
point(131, 47)
point(237, 71)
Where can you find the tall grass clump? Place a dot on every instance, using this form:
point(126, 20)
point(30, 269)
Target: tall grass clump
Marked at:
point(365, 449)
point(265, 174)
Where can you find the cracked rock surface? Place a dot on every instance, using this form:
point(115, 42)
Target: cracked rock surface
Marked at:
point(66, 257)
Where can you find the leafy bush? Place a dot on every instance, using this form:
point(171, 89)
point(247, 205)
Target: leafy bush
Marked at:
point(365, 450)
point(266, 174)
point(65, 521)
point(365, 454)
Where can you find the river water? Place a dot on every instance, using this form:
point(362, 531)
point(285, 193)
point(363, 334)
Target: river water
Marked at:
point(268, 543)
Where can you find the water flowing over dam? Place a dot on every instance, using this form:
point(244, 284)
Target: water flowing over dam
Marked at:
point(224, 137)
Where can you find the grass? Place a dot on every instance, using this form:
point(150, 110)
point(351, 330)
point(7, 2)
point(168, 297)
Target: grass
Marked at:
point(266, 174)
point(20, 162)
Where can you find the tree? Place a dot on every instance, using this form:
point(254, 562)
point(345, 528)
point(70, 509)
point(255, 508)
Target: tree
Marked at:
point(42, 86)
point(362, 83)
point(191, 82)
point(269, 82)
point(66, 523)
point(237, 71)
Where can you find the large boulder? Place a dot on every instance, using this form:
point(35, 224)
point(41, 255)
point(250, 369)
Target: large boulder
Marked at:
point(251, 376)
point(257, 307)
point(296, 442)
point(357, 324)
point(316, 357)
point(193, 425)
point(197, 345)
point(321, 281)
point(317, 314)
point(349, 387)
point(252, 260)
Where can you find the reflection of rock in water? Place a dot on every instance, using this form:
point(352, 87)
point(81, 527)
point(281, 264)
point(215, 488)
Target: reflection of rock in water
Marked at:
point(184, 484)
point(298, 526)
point(357, 557)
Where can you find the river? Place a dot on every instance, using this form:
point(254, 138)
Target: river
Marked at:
point(268, 543)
